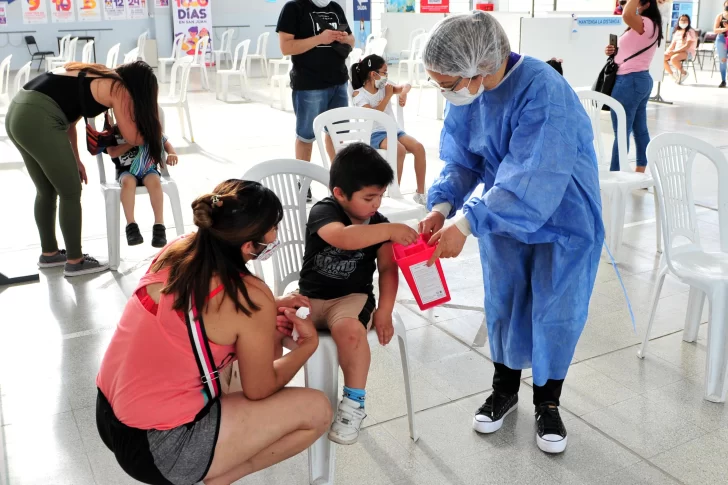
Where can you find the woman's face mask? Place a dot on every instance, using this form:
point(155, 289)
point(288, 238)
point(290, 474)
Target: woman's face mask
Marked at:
point(266, 253)
point(683, 25)
point(321, 3)
point(463, 96)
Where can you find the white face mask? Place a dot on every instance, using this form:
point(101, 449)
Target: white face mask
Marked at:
point(683, 25)
point(463, 96)
point(270, 248)
point(321, 3)
point(381, 82)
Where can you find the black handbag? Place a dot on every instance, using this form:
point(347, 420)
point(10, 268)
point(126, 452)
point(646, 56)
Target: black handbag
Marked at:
point(608, 75)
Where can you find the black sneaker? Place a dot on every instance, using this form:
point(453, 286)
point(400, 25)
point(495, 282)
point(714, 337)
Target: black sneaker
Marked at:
point(133, 236)
point(551, 432)
point(58, 259)
point(722, 84)
point(159, 236)
point(87, 265)
point(489, 417)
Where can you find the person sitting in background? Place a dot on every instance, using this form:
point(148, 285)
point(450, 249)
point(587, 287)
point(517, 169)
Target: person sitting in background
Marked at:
point(683, 46)
point(373, 90)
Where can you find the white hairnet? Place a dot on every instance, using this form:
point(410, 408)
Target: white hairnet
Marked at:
point(467, 45)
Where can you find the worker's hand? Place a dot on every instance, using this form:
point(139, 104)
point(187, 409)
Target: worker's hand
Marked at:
point(610, 50)
point(432, 223)
point(328, 36)
point(306, 331)
point(450, 242)
point(292, 300)
point(402, 234)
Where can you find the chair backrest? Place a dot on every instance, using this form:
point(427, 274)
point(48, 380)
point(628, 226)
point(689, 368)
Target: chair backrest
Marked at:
point(29, 41)
point(355, 125)
point(201, 50)
point(131, 56)
point(370, 38)
point(226, 41)
point(592, 102)
point(671, 157)
point(5, 75)
point(64, 44)
point(262, 48)
point(112, 58)
point(241, 52)
point(141, 44)
point(417, 46)
point(22, 77)
point(283, 177)
point(87, 52)
point(70, 54)
point(354, 56)
point(176, 46)
point(184, 65)
point(413, 35)
point(376, 46)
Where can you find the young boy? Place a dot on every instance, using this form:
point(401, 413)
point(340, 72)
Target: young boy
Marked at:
point(134, 168)
point(346, 241)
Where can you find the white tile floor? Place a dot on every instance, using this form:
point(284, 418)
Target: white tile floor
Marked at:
point(629, 421)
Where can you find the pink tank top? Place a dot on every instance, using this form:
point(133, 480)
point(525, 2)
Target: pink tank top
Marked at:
point(149, 373)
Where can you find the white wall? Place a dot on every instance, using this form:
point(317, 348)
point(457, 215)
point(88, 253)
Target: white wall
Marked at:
point(709, 9)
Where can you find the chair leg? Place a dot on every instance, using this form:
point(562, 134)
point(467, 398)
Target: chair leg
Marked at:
point(182, 126)
point(322, 373)
point(655, 299)
point(203, 73)
point(401, 332)
point(113, 233)
point(162, 72)
point(173, 194)
point(658, 223)
point(696, 301)
point(189, 121)
point(616, 206)
point(225, 88)
point(716, 365)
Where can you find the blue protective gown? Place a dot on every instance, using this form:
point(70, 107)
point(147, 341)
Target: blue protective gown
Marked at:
point(538, 221)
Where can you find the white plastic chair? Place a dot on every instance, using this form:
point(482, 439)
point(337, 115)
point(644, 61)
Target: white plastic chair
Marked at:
point(414, 61)
point(222, 79)
point(87, 54)
point(376, 46)
point(279, 83)
point(22, 77)
point(69, 54)
point(199, 61)
point(5, 79)
point(112, 198)
point(407, 53)
point(61, 53)
point(142, 44)
point(177, 98)
point(261, 53)
point(615, 186)
point(176, 54)
point(671, 157)
point(112, 58)
point(322, 369)
point(352, 125)
point(225, 52)
point(131, 56)
point(276, 64)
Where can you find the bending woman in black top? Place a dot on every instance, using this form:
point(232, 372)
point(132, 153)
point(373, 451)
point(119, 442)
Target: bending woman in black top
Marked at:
point(41, 122)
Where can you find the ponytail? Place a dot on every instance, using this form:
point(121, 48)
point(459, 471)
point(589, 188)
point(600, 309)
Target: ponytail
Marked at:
point(360, 70)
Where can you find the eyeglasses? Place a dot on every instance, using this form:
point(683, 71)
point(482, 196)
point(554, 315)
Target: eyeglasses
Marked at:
point(435, 84)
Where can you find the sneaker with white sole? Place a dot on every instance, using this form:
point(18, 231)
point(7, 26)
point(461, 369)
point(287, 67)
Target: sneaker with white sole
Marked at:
point(683, 77)
point(489, 417)
point(420, 198)
point(551, 432)
point(58, 259)
point(88, 265)
point(345, 428)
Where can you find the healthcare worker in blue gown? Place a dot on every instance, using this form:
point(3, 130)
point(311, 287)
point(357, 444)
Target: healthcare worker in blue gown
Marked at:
point(515, 125)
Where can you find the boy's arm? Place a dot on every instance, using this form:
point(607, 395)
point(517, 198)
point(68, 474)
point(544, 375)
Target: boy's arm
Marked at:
point(119, 150)
point(388, 283)
point(360, 236)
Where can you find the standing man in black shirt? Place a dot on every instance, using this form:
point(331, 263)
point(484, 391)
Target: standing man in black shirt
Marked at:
point(317, 36)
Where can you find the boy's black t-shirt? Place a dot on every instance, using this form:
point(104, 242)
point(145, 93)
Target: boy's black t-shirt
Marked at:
point(329, 272)
point(321, 67)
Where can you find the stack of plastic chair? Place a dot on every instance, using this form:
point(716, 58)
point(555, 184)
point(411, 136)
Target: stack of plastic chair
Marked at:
point(177, 97)
point(112, 58)
point(69, 54)
point(225, 52)
point(222, 80)
point(87, 54)
point(260, 54)
point(61, 53)
point(414, 61)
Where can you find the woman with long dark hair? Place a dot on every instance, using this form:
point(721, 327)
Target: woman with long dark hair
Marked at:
point(683, 46)
point(41, 122)
point(161, 406)
point(635, 50)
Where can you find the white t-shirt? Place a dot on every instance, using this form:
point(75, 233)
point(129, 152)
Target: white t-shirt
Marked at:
point(364, 97)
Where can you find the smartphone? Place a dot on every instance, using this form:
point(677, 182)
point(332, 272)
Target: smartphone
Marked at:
point(613, 40)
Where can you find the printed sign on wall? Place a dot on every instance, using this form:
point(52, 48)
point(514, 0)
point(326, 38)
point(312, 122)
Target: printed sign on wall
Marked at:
point(34, 12)
point(114, 9)
point(3, 13)
point(192, 18)
point(62, 11)
point(89, 10)
point(362, 22)
point(137, 9)
point(435, 6)
point(161, 3)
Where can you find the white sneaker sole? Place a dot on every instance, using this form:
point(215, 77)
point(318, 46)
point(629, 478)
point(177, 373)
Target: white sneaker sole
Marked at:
point(487, 427)
point(51, 265)
point(342, 441)
point(551, 446)
point(97, 269)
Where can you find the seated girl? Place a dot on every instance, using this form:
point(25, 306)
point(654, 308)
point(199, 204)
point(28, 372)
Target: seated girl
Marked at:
point(683, 46)
point(372, 90)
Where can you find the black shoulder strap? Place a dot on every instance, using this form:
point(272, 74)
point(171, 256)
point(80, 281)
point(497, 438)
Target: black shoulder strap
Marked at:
point(642, 51)
point(82, 94)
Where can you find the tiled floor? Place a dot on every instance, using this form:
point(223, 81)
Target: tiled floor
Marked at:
point(630, 421)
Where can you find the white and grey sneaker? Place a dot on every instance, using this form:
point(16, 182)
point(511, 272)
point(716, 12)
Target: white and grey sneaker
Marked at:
point(489, 417)
point(420, 198)
point(87, 265)
point(58, 259)
point(345, 428)
point(551, 432)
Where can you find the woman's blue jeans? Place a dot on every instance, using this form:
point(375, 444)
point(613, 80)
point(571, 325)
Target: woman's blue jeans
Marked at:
point(721, 47)
point(633, 91)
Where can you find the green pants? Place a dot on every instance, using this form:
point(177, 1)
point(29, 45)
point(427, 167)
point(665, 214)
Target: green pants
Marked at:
point(39, 129)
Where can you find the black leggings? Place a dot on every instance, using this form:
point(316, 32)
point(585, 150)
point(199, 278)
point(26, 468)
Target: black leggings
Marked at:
point(507, 381)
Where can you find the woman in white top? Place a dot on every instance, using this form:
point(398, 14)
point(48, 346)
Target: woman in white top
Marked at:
point(372, 90)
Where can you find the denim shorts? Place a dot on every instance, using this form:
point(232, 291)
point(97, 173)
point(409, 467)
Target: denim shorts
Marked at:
point(140, 180)
point(379, 136)
point(307, 105)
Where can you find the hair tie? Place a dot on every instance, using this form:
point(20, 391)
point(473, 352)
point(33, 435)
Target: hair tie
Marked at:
point(369, 63)
point(216, 201)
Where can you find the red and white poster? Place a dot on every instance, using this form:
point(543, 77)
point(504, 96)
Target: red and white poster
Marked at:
point(34, 12)
point(62, 11)
point(89, 10)
point(434, 6)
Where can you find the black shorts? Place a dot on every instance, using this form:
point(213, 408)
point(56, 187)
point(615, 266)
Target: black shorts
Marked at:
point(179, 456)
